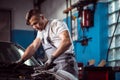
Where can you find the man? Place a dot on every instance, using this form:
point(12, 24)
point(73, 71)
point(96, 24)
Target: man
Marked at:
point(56, 41)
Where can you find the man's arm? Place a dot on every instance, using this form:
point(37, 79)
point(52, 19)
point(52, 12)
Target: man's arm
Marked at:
point(64, 44)
point(31, 49)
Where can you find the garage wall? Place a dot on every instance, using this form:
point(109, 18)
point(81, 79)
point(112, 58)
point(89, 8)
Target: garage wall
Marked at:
point(24, 35)
point(20, 33)
point(98, 44)
point(19, 9)
point(55, 8)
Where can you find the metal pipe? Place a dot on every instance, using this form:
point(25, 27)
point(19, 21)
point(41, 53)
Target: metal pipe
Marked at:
point(71, 20)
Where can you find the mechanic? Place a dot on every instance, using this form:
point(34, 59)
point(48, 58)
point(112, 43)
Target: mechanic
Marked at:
point(55, 38)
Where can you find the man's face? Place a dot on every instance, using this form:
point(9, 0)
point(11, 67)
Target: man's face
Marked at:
point(37, 22)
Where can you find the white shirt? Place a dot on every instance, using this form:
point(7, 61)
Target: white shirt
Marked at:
point(56, 27)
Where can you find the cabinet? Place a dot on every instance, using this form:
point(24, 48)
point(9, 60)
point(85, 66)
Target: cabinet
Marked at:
point(99, 73)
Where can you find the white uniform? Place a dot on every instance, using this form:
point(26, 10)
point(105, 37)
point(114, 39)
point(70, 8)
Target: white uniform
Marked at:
point(65, 61)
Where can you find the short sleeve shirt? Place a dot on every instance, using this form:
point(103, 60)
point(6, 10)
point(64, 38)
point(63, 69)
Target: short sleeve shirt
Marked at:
point(53, 29)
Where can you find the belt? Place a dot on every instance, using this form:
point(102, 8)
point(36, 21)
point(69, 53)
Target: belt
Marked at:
point(70, 54)
point(65, 56)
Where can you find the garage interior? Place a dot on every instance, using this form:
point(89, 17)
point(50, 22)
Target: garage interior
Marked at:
point(94, 26)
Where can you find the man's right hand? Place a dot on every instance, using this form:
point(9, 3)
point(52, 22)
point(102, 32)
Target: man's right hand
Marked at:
point(49, 63)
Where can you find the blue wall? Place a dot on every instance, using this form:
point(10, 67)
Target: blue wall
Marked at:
point(23, 37)
point(97, 46)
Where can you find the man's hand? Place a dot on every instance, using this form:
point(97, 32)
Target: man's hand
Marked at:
point(19, 63)
point(49, 62)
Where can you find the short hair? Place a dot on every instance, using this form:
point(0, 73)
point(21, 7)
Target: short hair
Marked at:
point(30, 13)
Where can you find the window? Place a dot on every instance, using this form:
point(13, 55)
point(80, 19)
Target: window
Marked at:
point(114, 53)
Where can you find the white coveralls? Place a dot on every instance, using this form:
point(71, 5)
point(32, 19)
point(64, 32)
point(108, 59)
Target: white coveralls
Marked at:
point(65, 61)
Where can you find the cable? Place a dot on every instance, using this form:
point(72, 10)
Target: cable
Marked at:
point(67, 13)
point(71, 20)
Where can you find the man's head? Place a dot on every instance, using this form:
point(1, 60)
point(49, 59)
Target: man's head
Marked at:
point(31, 13)
point(36, 19)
